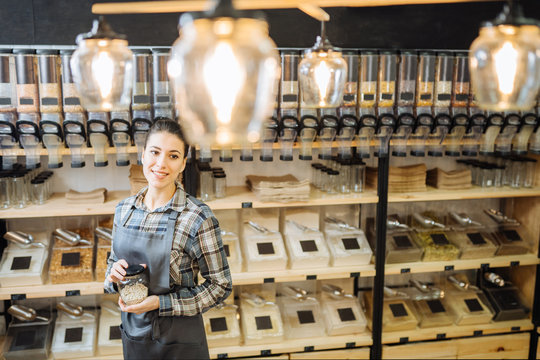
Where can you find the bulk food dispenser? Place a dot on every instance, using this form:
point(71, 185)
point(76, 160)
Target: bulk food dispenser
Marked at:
point(121, 134)
point(141, 104)
point(98, 135)
point(269, 134)
point(503, 143)
point(287, 135)
point(28, 106)
point(367, 90)
point(289, 100)
point(529, 122)
point(386, 121)
point(8, 101)
point(50, 98)
point(309, 127)
point(348, 119)
point(327, 132)
point(163, 106)
point(405, 102)
point(494, 123)
point(75, 121)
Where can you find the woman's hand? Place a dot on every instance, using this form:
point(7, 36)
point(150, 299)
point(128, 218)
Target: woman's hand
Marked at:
point(118, 271)
point(148, 304)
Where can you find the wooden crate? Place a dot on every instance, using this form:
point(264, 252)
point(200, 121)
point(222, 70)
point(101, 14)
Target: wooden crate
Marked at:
point(422, 350)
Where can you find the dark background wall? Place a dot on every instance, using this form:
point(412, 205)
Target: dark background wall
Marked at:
point(445, 26)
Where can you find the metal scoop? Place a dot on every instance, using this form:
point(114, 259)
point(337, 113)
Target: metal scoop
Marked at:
point(461, 284)
point(255, 300)
point(300, 226)
point(72, 310)
point(427, 222)
point(70, 237)
point(499, 217)
point(24, 313)
point(257, 227)
point(391, 293)
point(430, 292)
point(334, 292)
point(392, 222)
point(340, 223)
point(494, 279)
point(296, 293)
point(463, 219)
point(104, 233)
point(22, 239)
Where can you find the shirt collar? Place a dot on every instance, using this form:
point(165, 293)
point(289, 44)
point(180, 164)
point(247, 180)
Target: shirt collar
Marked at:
point(177, 202)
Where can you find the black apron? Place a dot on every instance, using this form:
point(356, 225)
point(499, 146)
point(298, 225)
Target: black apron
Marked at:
point(148, 335)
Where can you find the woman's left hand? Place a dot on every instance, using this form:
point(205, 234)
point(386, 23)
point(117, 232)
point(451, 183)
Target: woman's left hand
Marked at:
point(148, 304)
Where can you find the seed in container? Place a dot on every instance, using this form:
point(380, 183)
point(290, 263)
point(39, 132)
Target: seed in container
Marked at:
point(134, 288)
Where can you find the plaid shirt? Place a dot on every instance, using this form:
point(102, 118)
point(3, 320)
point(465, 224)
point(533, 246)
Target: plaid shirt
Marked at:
point(197, 247)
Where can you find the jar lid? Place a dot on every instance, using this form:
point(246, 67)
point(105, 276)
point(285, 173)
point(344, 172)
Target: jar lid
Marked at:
point(37, 181)
point(134, 270)
point(17, 175)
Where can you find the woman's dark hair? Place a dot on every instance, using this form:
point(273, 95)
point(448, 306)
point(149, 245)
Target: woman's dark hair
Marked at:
point(169, 126)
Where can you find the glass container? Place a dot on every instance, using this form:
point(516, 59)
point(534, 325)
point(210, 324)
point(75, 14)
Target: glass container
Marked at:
point(19, 195)
point(162, 91)
point(27, 83)
point(239, 64)
point(71, 100)
point(23, 267)
point(220, 185)
point(530, 171)
point(261, 322)
point(460, 122)
point(333, 182)
point(50, 87)
point(74, 337)
point(142, 86)
point(134, 288)
point(397, 313)
point(222, 326)
point(305, 245)
point(460, 93)
point(98, 134)
point(504, 65)
point(5, 189)
point(75, 135)
point(103, 251)
point(343, 316)
point(262, 243)
point(231, 246)
point(520, 142)
point(433, 313)
point(29, 340)
point(400, 248)
point(206, 184)
point(369, 68)
point(8, 95)
point(387, 79)
point(301, 318)
point(350, 94)
point(345, 177)
point(443, 80)
point(510, 240)
point(468, 308)
point(436, 246)
point(358, 176)
point(407, 80)
point(289, 94)
point(404, 127)
point(426, 81)
point(38, 191)
point(72, 263)
point(348, 245)
point(109, 341)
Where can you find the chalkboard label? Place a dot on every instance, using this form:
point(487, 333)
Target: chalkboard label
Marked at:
point(512, 235)
point(348, 97)
point(21, 263)
point(425, 97)
point(386, 96)
point(72, 101)
point(444, 97)
point(407, 96)
point(73, 335)
point(71, 259)
point(402, 242)
point(290, 98)
point(308, 245)
point(141, 99)
point(473, 305)
point(435, 306)
point(26, 101)
point(439, 239)
point(49, 101)
point(218, 324)
point(369, 97)
point(476, 238)
point(462, 97)
point(398, 310)
point(346, 314)
point(265, 248)
point(305, 317)
point(226, 249)
point(114, 333)
point(5, 101)
point(263, 322)
point(163, 98)
point(350, 243)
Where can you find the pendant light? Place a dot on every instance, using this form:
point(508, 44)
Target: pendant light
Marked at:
point(224, 69)
point(505, 61)
point(102, 68)
point(322, 73)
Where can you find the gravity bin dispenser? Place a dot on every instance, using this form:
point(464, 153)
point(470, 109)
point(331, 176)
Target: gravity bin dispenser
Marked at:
point(289, 101)
point(367, 92)
point(8, 132)
point(385, 102)
point(141, 105)
point(405, 102)
point(348, 117)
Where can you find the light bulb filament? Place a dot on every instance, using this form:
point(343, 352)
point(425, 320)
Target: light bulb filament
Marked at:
point(322, 78)
point(103, 70)
point(506, 63)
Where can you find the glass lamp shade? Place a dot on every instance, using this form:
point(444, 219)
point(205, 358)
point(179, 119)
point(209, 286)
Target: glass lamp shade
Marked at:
point(505, 67)
point(225, 74)
point(102, 72)
point(322, 75)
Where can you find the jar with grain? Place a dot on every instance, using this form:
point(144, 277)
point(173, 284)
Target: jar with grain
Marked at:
point(369, 67)
point(460, 96)
point(7, 82)
point(142, 88)
point(387, 79)
point(50, 94)
point(27, 86)
point(426, 80)
point(134, 288)
point(71, 100)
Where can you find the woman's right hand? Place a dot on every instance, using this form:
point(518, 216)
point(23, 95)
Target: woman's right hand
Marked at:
point(118, 271)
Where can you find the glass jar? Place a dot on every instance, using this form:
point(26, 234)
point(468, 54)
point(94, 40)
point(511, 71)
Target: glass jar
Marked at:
point(5, 190)
point(387, 79)
point(220, 183)
point(70, 97)
point(345, 177)
point(443, 80)
point(530, 169)
point(426, 80)
point(351, 83)
point(18, 188)
point(460, 97)
point(50, 94)
point(39, 191)
point(206, 184)
point(289, 80)
point(315, 170)
point(518, 172)
point(141, 99)
point(134, 288)
point(514, 48)
point(358, 175)
point(499, 174)
point(8, 97)
point(27, 87)
point(407, 79)
point(369, 68)
point(333, 182)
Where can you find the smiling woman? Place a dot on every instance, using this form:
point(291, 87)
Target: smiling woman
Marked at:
point(174, 236)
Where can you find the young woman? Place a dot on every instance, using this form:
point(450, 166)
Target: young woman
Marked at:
point(174, 236)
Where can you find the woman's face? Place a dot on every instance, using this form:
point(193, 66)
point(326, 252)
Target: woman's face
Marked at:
point(163, 159)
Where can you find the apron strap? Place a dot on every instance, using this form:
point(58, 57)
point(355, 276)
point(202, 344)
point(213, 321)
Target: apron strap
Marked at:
point(171, 224)
point(127, 216)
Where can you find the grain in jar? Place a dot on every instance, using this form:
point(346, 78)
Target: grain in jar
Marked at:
point(71, 264)
point(369, 68)
point(433, 313)
point(142, 91)
point(70, 97)
point(351, 83)
point(407, 78)
point(8, 97)
point(289, 93)
point(426, 79)
point(443, 79)
point(50, 94)
point(461, 85)
point(387, 79)
point(27, 86)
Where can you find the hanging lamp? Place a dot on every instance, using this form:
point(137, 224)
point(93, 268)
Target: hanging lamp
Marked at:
point(505, 61)
point(322, 73)
point(224, 69)
point(102, 68)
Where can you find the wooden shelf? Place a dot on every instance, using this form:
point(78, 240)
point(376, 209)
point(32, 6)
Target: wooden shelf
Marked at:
point(433, 194)
point(294, 345)
point(454, 331)
point(58, 206)
point(431, 266)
